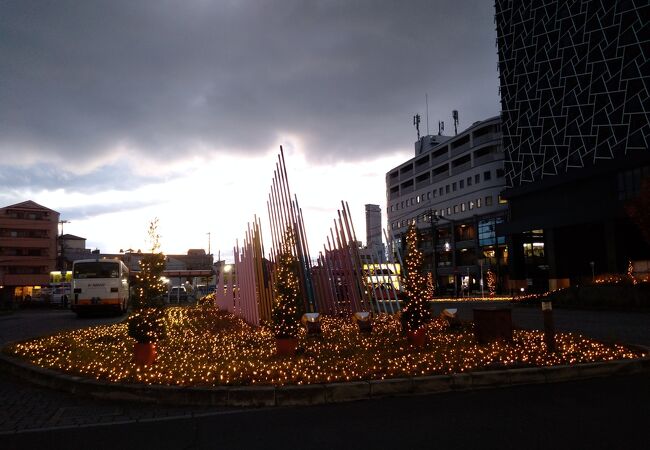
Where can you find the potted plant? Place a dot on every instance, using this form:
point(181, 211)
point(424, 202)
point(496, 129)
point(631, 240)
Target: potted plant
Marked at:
point(147, 327)
point(415, 314)
point(287, 303)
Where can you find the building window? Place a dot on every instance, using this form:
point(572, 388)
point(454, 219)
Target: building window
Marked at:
point(487, 232)
point(447, 189)
point(453, 186)
point(488, 200)
point(533, 249)
point(471, 205)
point(469, 181)
point(418, 199)
point(449, 210)
point(487, 175)
point(461, 184)
point(502, 201)
point(402, 204)
point(629, 182)
point(478, 202)
point(428, 195)
point(462, 207)
point(456, 209)
point(477, 178)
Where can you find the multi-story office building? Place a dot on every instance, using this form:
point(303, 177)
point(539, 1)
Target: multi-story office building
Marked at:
point(28, 249)
point(452, 189)
point(575, 94)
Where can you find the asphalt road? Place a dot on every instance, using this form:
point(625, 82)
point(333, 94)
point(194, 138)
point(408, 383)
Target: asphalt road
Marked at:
point(594, 414)
point(601, 413)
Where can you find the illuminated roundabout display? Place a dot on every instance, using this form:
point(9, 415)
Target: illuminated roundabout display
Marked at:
point(213, 358)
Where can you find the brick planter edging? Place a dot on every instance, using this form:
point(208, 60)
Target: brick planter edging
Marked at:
point(316, 394)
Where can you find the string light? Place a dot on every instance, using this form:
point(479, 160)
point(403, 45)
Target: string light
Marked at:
point(491, 282)
point(287, 303)
point(418, 291)
point(152, 266)
point(207, 347)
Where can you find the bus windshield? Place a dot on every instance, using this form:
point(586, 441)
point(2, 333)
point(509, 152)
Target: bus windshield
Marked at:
point(98, 269)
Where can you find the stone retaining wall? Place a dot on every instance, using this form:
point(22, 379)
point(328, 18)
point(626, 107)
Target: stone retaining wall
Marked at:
point(315, 394)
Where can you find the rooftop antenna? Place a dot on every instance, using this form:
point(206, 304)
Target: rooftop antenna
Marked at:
point(441, 127)
point(454, 114)
point(426, 98)
point(416, 124)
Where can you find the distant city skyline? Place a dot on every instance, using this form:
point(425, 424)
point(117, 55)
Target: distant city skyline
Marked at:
point(116, 113)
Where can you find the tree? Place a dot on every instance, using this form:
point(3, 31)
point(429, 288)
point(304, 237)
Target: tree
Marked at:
point(416, 310)
point(150, 285)
point(288, 306)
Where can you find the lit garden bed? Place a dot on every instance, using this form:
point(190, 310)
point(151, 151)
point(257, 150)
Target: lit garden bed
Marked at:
point(206, 347)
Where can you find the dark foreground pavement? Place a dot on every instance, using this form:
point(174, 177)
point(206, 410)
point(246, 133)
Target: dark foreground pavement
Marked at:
point(607, 413)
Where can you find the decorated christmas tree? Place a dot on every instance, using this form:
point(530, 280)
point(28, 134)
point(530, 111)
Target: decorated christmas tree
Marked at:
point(431, 287)
point(288, 305)
point(416, 312)
point(491, 282)
point(147, 325)
point(150, 286)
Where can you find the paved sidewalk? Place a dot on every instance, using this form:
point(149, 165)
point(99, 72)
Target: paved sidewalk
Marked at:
point(24, 406)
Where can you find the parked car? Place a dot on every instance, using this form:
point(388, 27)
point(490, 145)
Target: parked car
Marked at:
point(177, 294)
point(61, 294)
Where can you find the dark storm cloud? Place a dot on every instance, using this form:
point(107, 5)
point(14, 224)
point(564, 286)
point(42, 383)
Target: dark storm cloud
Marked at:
point(79, 78)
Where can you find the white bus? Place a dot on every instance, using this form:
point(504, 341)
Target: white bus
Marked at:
point(100, 285)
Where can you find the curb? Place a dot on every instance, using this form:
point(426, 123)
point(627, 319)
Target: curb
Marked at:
point(318, 394)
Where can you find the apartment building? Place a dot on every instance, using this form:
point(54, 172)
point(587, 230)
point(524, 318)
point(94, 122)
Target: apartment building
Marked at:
point(28, 249)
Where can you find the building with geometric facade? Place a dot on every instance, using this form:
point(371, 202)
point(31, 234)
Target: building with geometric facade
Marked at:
point(575, 95)
point(452, 190)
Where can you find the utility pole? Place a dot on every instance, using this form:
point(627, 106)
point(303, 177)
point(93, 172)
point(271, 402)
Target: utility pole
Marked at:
point(61, 258)
point(209, 243)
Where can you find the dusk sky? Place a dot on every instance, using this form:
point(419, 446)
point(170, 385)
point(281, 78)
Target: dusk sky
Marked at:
point(116, 112)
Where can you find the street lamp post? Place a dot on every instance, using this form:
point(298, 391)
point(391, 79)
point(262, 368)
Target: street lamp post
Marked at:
point(434, 268)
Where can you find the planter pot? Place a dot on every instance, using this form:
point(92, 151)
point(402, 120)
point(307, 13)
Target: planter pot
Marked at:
point(416, 338)
point(286, 346)
point(144, 354)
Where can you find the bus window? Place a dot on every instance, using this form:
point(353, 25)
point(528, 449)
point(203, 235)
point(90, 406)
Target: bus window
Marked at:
point(98, 269)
